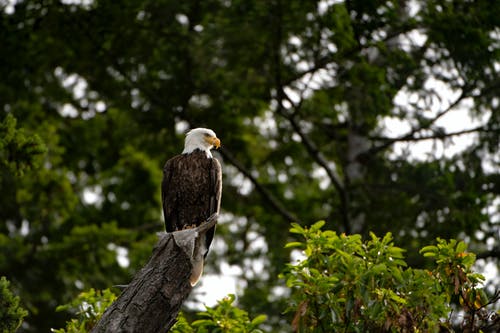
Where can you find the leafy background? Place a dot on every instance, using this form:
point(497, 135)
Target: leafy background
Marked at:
point(320, 106)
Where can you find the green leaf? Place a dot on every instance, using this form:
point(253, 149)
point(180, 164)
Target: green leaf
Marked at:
point(202, 322)
point(400, 262)
point(329, 234)
point(397, 298)
point(379, 268)
point(461, 247)
point(396, 273)
point(317, 226)
point(468, 260)
point(396, 252)
point(293, 244)
point(297, 229)
point(259, 320)
point(344, 254)
point(429, 250)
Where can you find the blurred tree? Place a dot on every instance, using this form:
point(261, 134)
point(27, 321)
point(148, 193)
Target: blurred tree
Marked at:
point(303, 95)
point(11, 313)
point(88, 307)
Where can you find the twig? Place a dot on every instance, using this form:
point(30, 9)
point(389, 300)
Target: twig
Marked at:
point(316, 154)
point(309, 145)
point(270, 198)
point(411, 134)
point(431, 137)
point(494, 253)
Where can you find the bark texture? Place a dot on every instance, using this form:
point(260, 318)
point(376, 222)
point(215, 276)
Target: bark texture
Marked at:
point(150, 302)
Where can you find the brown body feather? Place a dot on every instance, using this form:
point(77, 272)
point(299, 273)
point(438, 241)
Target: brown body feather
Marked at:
point(191, 191)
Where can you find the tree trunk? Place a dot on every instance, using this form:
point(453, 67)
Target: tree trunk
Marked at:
point(150, 302)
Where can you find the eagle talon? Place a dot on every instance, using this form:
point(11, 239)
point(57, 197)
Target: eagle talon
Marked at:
point(189, 226)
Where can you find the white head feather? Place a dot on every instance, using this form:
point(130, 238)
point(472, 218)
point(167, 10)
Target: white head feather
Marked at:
point(200, 138)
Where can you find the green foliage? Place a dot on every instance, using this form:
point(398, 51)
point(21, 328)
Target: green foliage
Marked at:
point(11, 313)
point(181, 325)
point(454, 272)
point(88, 307)
point(224, 317)
point(19, 151)
point(345, 284)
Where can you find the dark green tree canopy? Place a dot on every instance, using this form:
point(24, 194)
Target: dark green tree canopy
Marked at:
point(318, 104)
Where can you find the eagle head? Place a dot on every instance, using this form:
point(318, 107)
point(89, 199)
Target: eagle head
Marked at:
point(200, 138)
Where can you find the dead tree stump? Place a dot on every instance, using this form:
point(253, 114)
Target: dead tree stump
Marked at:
point(151, 302)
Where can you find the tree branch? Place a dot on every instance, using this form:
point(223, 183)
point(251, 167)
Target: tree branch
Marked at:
point(432, 137)
point(281, 96)
point(268, 196)
point(316, 154)
point(494, 253)
point(411, 134)
point(151, 302)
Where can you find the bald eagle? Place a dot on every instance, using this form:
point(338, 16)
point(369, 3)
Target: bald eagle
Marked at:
point(191, 191)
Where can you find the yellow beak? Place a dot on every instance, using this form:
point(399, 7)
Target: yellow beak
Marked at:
point(214, 141)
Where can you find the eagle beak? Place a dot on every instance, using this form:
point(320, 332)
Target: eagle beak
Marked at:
point(214, 141)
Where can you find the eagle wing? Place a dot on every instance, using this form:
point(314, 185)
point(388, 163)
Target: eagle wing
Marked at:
point(215, 196)
point(191, 191)
point(168, 198)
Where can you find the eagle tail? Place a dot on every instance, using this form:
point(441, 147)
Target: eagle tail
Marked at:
point(196, 272)
point(198, 261)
